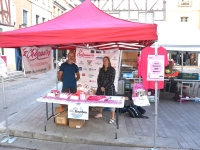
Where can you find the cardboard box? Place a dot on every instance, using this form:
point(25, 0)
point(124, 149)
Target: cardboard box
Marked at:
point(94, 109)
point(76, 123)
point(61, 119)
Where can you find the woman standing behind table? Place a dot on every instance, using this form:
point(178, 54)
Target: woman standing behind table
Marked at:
point(106, 86)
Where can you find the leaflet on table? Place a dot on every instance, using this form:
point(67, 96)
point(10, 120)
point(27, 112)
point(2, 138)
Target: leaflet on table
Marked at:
point(96, 98)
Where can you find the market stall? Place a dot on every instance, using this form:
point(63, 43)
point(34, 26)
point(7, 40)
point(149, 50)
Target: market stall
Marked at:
point(91, 29)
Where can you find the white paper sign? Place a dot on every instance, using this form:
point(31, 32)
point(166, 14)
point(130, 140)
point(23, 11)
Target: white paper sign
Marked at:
point(3, 68)
point(78, 111)
point(156, 68)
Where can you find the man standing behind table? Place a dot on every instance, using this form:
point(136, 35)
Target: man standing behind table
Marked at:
point(67, 73)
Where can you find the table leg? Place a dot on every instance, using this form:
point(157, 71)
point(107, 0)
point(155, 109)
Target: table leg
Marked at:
point(181, 92)
point(53, 114)
point(45, 126)
point(117, 118)
point(115, 133)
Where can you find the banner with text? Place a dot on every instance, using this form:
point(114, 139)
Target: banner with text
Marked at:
point(156, 69)
point(90, 61)
point(37, 60)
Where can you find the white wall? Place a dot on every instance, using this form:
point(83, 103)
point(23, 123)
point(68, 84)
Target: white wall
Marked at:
point(41, 12)
point(175, 12)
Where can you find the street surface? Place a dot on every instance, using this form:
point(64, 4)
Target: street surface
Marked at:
point(22, 92)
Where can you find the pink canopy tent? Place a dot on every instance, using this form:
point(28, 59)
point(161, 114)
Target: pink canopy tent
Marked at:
point(85, 25)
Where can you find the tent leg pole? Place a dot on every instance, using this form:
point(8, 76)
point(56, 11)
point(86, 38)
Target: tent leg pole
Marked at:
point(7, 139)
point(57, 68)
point(156, 113)
point(156, 104)
point(5, 108)
point(182, 62)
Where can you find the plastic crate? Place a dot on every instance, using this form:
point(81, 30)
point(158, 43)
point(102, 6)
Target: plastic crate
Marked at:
point(188, 76)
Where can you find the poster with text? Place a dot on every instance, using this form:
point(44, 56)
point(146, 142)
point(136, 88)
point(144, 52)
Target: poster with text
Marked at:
point(156, 68)
point(90, 61)
point(78, 111)
point(37, 60)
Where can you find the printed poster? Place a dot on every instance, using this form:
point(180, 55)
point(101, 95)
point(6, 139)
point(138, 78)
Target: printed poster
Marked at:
point(156, 68)
point(78, 111)
point(37, 60)
point(90, 61)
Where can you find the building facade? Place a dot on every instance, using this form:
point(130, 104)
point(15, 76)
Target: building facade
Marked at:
point(22, 13)
point(16, 14)
point(184, 11)
point(145, 11)
point(7, 23)
point(185, 16)
point(41, 11)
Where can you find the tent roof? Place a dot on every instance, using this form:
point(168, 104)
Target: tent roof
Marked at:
point(85, 25)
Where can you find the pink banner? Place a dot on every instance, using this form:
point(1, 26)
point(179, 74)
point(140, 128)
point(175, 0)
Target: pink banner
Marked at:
point(3, 66)
point(5, 59)
point(37, 60)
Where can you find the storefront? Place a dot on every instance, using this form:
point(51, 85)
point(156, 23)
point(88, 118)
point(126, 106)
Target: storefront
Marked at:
point(189, 59)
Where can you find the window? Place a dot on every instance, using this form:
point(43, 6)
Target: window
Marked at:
point(58, 11)
point(25, 17)
point(48, 3)
point(43, 19)
point(184, 19)
point(37, 19)
point(54, 9)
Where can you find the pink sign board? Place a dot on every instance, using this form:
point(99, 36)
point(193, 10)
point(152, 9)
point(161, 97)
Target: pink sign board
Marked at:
point(156, 68)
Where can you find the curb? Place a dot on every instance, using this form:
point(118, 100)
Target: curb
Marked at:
point(147, 143)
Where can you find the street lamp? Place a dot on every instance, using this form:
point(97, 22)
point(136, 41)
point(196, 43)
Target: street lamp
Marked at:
point(22, 25)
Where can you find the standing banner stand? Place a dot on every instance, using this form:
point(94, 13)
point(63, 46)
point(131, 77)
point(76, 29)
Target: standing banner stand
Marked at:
point(3, 73)
point(155, 72)
point(57, 68)
point(156, 103)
